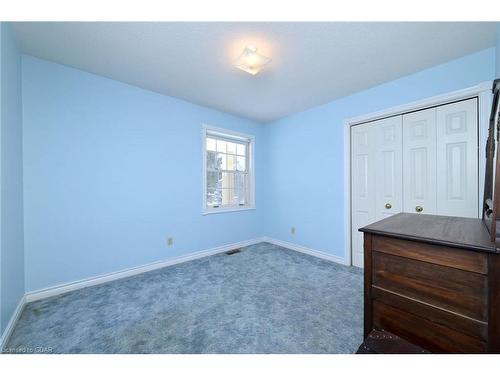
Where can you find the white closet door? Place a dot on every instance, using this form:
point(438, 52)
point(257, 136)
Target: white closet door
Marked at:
point(419, 161)
point(362, 184)
point(389, 160)
point(457, 159)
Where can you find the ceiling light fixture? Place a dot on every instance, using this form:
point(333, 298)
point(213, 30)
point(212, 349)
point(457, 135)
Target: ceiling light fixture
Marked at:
point(251, 61)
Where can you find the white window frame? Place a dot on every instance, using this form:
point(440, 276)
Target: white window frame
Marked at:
point(237, 136)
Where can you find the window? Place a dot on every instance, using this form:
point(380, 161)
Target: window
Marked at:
point(228, 171)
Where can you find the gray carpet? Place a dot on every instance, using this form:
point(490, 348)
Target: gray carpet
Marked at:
point(265, 299)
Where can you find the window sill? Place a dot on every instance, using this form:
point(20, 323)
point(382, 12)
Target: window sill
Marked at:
point(227, 209)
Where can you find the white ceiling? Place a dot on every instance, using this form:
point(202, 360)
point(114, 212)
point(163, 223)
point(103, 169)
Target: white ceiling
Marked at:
point(313, 63)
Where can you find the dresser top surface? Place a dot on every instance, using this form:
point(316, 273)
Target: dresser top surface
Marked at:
point(466, 233)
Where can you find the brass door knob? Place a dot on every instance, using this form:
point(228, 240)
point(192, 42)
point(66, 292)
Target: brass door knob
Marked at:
point(419, 208)
point(388, 206)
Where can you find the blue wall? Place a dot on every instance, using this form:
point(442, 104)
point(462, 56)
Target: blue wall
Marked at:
point(305, 174)
point(11, 182)
point(111, 170)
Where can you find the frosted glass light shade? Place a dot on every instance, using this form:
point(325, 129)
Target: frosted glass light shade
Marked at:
point(251, 61)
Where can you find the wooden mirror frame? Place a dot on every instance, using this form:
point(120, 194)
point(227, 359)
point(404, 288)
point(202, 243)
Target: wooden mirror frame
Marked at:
point(491, 199)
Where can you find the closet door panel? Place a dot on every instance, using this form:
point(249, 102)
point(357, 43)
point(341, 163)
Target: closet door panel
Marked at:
point(457, 159)
point(388, 174)
point(362, 186)
point(419, 162)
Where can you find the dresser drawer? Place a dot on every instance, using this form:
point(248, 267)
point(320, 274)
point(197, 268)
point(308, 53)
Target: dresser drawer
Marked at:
point(422, 332)
point(468, 326)
point(451, 289)
point(466, 260)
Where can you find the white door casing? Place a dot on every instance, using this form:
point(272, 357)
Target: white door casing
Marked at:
point(457, 159)
point(419, 162)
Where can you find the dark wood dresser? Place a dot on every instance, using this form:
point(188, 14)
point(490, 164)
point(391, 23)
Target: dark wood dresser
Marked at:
point(434, 281)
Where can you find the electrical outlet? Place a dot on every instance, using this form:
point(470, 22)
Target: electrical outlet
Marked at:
point(292, 230)
point(170, 241)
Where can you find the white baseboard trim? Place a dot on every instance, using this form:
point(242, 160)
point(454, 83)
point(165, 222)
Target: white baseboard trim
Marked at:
point(68, 287)
point(306, 250)
point(12, 323)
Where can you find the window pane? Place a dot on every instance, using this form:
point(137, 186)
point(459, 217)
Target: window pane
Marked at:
point(234, 201)
point(228, 197)
point(242, 149)
point(240, 180)
point(241, 163)
point(214, 197)
point(231, 148)
point(231, 162)
point(210, 197)
point(218, 197)
point(227, 180)
point(221, 161)
point(211, 144)
point(213, 179)
point(240, 183)
point(241, 198)
point(212, 161)
point(221, 146)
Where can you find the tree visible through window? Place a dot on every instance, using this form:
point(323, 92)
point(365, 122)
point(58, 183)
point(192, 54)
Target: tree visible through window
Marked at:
point(228, 171)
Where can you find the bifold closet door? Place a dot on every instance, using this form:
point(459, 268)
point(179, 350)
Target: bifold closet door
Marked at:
point(457, 159)
point(388, 164)
point(419, 162)
point(363, 141)
point(375, 176)
point(440, 160)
